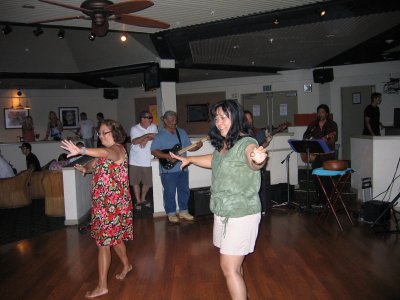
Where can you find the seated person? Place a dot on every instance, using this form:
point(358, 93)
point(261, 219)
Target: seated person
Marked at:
point(31, 159)
point(6, 169)
point(60, 163)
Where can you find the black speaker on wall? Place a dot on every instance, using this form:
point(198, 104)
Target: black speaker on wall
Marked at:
point(110, 94)
point(153, 75)
point(323, 75)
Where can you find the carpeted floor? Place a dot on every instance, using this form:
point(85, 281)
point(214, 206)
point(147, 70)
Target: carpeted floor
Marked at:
point(21, 223)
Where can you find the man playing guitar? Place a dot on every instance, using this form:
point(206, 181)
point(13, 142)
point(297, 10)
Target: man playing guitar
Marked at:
point(322, 128)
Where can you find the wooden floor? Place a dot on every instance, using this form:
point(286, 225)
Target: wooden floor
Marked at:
point(294, 259)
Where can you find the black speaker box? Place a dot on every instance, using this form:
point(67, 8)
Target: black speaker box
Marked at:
point(371, 210)
point(110, 94)
point(199, 201)
point(323, 75)
point(169, 75)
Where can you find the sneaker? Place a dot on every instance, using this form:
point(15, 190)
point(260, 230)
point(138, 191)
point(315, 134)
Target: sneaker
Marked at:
point(185, 215)
point(173, 219)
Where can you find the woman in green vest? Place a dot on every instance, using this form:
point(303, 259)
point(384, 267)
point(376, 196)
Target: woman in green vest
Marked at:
point(235, 165)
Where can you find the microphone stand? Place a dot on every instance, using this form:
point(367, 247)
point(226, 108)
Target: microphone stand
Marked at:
point(288, 203)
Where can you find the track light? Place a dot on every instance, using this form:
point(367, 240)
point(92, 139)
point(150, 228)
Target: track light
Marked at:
point(123, 37)
point(61, 33)
point(38, 31)
point(322, 12)
point(91, 37)
point(275, 20)
point(6, 30)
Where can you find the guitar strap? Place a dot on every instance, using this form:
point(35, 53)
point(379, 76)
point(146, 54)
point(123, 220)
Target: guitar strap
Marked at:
point(179, 137)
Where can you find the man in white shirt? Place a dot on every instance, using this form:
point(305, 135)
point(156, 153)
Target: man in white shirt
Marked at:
point(5, 168)
point(86, 130)
point(142, 135)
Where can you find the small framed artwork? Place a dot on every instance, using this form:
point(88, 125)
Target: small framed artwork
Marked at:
point(307, 88)
point(69, 117)
point(197, 113)
point(13, 117)
point(356, 98)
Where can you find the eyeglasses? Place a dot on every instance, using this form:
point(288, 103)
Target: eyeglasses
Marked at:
point(148, 117)
point(103, 133)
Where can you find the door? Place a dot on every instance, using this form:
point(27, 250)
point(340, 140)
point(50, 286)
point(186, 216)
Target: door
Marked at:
point(271, 109)
point(354, 101)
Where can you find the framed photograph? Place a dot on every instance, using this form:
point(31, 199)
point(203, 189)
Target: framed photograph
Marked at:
point(69, 117)
point(13, 117)
point(356, 98)
point(197, 113)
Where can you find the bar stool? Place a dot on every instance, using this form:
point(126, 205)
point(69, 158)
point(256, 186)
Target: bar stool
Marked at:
point(336, 193)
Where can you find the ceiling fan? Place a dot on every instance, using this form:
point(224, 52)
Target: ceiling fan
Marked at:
point(102, 11)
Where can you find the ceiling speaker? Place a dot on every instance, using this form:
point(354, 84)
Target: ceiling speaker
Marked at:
point(110, 94)
point(323, 75)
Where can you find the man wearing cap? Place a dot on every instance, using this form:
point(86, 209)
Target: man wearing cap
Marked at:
point(32, 161)
point(142, 135)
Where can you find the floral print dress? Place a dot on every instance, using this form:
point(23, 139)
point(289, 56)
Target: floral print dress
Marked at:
point(112, 209)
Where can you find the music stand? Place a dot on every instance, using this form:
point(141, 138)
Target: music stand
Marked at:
point(309, 147)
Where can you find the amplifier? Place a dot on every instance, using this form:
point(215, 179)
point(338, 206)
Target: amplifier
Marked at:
point(199, 201)
point(371, 210)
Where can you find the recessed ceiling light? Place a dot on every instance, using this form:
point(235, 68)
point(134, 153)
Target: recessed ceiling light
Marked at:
point(253, 63)
point(271, 40)
point(124, 37)
point(329, 35)
point(389, 41)
point(292, 61)
point(322, 12)
point(275, 20)
point(236, 47)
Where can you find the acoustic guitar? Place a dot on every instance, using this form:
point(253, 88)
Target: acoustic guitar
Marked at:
point(280, 128)
point(313, 156)
point(168, 164)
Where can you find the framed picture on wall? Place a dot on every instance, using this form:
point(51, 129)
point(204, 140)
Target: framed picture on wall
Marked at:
point(197, 113)
point(13, 117)
point(356, 98)
point(69, 117)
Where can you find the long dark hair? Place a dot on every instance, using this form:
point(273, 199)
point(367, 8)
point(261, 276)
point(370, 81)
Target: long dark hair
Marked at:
point(234, 112)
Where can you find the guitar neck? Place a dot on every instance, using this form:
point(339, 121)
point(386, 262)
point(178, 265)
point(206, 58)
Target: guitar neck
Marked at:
point(190, 147)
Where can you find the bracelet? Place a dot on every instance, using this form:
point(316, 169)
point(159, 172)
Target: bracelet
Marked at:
point(83, 150)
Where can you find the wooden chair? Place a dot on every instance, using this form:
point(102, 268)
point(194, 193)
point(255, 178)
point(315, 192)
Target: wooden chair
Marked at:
point(53, 193)
point(15, 191)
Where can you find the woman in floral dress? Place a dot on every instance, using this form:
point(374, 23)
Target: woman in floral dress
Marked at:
point(112, 210)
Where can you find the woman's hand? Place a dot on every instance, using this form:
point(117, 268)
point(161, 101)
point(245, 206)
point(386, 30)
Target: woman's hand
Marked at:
point(258, 155)
point(71, 148)
point(185, 160)
point(81, 169)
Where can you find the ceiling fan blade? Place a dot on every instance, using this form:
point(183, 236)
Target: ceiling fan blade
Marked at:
point(60, 19)
point(84, 10)
point(140, 21)
point(128, 7)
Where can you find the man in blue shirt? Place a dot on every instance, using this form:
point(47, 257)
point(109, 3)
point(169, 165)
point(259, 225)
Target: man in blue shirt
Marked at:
point(172, 178)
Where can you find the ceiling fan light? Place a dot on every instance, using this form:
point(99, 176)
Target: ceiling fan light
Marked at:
point(92, 37)
point(6, 29)
point(61, 33)
point(124, 37)
point(38, 31)
point(322, 12)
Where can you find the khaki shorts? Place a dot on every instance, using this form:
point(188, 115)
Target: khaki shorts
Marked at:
point(240, 234)
point(140, 174)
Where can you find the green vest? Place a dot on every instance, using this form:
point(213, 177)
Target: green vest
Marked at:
point(234, 186)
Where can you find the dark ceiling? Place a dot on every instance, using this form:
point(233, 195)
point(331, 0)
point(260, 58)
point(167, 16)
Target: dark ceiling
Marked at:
point(351, 32)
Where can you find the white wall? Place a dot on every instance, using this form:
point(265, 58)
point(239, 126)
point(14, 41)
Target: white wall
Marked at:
point(42, 101)
point(375, 74)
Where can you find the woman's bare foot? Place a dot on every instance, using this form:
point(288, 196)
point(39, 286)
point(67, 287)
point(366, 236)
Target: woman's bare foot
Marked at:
point(125, 271)
point(96, 292)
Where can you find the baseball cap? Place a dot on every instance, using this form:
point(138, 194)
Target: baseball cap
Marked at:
point(26, 145)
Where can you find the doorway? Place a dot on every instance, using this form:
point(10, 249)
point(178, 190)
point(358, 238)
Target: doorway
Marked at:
point(271, 109)
point(354, 101)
